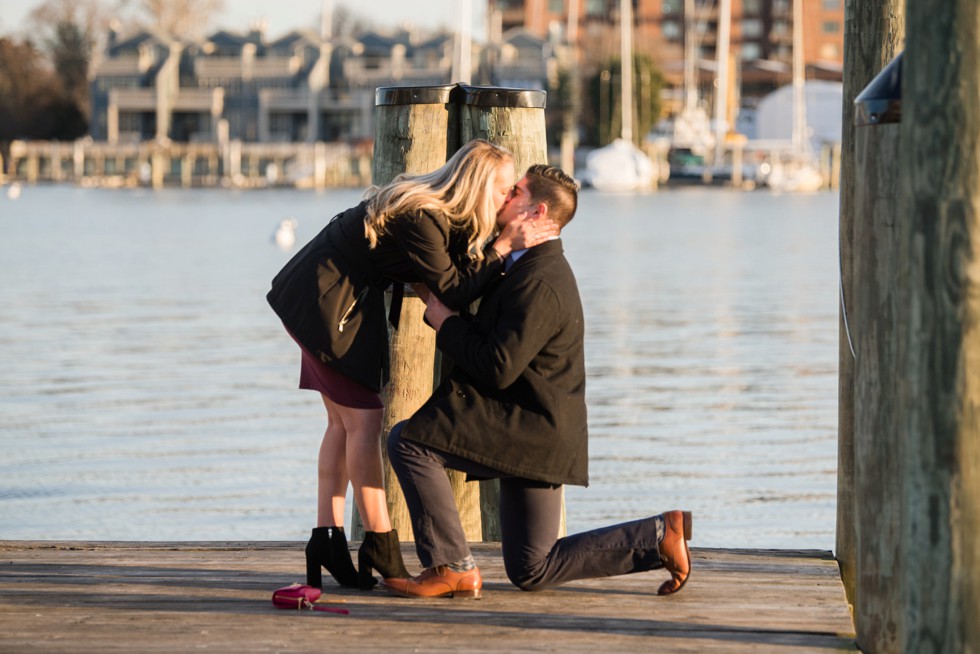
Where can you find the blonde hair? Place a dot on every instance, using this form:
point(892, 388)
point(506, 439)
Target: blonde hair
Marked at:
point(461, 190)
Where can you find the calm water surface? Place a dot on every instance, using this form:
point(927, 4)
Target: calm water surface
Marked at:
point(147, 392)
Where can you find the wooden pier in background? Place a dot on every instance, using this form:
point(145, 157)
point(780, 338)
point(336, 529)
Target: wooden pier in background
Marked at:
point(181, 597)
point(232, 164)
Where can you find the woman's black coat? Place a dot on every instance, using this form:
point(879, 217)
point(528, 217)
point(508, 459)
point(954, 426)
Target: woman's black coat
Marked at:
point(330, 295)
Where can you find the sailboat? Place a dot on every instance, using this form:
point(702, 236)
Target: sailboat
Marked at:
point(621, 166)
point(799, 174)
point(692, 140)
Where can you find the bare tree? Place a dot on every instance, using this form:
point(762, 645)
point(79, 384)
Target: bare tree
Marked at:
point(347, 21)
point(33, 104)
point(182, 18)
point(68, 32)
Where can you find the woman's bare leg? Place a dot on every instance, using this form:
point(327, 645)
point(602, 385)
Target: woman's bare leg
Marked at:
point(364, 466)
point(332, 477)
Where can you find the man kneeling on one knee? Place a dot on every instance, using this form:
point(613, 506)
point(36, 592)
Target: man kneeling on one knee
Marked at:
point(513, 409)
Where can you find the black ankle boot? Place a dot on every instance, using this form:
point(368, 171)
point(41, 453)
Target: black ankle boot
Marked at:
point(381, 551)
point(328, 548)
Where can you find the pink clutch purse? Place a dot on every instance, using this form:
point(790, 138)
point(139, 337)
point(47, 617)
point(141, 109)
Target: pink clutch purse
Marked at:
point(299, 597)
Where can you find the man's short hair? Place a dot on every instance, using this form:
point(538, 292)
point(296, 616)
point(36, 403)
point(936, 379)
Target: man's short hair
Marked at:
point(554, 188)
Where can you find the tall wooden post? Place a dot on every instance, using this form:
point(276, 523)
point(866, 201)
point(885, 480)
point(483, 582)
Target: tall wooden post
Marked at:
point(417, 130)
point(873, 31)
point(939, 325)
point(513, 119)
point(878, 443)
point(510, 118)
point(412, 135)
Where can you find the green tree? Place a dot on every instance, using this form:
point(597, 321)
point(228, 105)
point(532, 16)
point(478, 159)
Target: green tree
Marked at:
point(605, 98)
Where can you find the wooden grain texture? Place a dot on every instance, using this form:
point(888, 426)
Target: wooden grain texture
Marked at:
point(869, 210)
point(520, 130)
point(874, 31)
point(413, 138)
point(939, 411)
point(177, 597)
point(878, 443)
point(418, 138)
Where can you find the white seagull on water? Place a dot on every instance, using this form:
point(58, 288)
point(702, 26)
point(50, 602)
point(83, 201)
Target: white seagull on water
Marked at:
point(285, 234)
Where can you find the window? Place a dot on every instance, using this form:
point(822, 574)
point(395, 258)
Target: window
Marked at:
point(556, 6)
point(751, 28)
point(671, 7)
point(831, 5)
point(830, 52)
point(752, 7)
point(595, 7)
point(671, 30)
point(830, 27)
point(751, 51)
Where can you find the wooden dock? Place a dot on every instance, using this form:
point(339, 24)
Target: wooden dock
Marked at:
point(231, 164)
point(182, 597)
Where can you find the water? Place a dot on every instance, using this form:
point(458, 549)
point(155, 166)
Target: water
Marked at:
point(147, 392)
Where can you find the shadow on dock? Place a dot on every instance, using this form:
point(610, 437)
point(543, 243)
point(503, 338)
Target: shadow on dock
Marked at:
point(216, 596)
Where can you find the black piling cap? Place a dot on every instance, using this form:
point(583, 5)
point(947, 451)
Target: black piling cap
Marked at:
point(881, 101)
point(460, 94)
point(401, 95)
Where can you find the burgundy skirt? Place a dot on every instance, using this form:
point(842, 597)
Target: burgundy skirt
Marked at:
point(315, 375)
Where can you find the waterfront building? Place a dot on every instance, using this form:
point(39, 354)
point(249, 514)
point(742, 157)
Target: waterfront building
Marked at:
point(520, 59)
point(298, 88)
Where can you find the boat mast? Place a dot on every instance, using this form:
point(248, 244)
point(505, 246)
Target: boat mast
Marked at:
point(462, 62)
point(690, 60)
point(626, 67)
point(799, 89)
point(721, 94)
point(326, 20)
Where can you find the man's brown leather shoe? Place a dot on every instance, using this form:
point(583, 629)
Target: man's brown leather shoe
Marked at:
point(439, 581)
point(674, 552)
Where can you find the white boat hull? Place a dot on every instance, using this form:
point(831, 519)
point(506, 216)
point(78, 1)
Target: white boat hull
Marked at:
point(620, 167)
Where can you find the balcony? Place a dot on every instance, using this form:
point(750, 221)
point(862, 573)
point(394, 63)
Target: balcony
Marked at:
point(199, 100)
point(274, 66)
point(125, 65)
point(134, 99)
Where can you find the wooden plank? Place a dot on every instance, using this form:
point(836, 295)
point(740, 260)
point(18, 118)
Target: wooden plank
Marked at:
point(99, 597)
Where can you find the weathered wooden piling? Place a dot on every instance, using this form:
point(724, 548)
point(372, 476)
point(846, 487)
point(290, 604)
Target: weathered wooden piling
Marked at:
point(412, 128)
point(416, 130)
point(875, 308)
point(869, 469)
point(511, 118)
point(514, 119)
point(910, 228)
point(939, 325)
